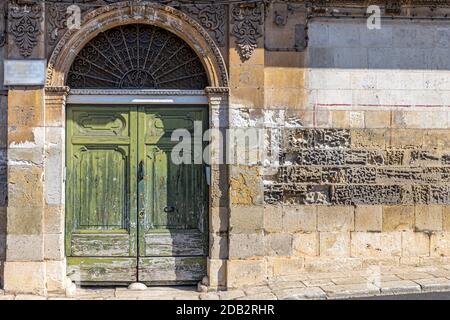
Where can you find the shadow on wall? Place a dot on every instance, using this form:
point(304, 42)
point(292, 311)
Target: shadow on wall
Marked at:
point(408, 45)
point(3, 182)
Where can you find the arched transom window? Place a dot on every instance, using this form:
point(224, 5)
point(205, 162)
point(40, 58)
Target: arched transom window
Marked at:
point(137, 56)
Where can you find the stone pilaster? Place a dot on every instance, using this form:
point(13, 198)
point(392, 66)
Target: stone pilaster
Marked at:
point(54, 204)
point(25, 262)
point(219, 187)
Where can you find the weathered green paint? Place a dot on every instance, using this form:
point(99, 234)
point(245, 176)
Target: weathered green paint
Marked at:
point(126, 199)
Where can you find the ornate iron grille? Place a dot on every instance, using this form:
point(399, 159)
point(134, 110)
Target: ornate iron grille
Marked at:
point(137, 56)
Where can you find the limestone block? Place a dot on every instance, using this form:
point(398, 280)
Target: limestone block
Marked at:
point(406, 138)
point(415, 244)
point(398, 218)
point(370, 244)
point(334, 244)
point(217, 271)
point(54, 246)
point(25, 186)
point(247, 97)
point(370, 139)
point(284, 98)
point(247, 76)
point(218, 245)
point(305, 244)
point(246, 219)
point(428, 218)
point(285, 266)
point(244, 246)
point(54, 219)
point(446, 218)
point(437, 139)
point(299, 218)
point(440, 244)
point(26, 108)
point(278, 244)
point(277, 78)
point(273, 218)
point(25, 221)
point(332, 264)
point(245, 272)
point(25, 277)
point(378, 119)
point(335, 218)
point(246, 186)
point(55, 275)
point(219, 219)
point(25, 248)
point(368, 218)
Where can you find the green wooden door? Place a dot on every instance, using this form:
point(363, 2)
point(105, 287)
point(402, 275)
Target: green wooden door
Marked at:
point(172, 199)
point(132, 215)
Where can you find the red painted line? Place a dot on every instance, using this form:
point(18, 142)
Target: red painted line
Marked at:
point(381, 105)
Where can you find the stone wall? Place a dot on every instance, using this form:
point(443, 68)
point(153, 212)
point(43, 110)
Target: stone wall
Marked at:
point(3, 163)
point(363, 142)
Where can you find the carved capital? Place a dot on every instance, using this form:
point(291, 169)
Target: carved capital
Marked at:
point(56, 96)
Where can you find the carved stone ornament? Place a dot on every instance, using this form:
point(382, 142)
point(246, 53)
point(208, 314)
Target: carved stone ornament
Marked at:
point(212, 18)
point(25, 25)
point(247, 22)
point(137, 56)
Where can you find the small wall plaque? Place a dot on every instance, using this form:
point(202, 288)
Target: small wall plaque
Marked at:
point(24, 72)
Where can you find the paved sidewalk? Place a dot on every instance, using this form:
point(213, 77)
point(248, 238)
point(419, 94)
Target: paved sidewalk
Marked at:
point(375, 281)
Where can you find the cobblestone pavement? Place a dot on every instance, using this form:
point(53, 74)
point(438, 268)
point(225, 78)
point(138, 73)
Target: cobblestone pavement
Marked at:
point(375, 281)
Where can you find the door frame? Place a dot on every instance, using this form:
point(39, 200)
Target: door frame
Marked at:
point(216, 100)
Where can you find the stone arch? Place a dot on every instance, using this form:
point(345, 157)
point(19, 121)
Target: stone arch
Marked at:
point(123, 13)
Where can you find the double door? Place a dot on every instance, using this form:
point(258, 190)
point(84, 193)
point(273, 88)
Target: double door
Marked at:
point(132, 212)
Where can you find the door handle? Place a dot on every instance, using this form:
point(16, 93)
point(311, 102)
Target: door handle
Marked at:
point(169, 209)
point(142, 214)
point(141, 171)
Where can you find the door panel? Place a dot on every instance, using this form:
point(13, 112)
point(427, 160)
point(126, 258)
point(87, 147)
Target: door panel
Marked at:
point(132, 214)
point(101, 191)
point(172, 198)
point(172, 270)
point(102, 271)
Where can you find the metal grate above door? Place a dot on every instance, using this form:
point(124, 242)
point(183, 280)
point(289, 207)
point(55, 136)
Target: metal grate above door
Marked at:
point(137, 56)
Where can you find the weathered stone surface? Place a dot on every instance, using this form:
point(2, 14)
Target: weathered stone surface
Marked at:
point(305, 244)
point(345, 291)
point(245, 219)
point(440, 244)
point(245, 272)
point(278, 244)
point(281, 266)
point(300, 294)
point(398, 218)
point(331, 218)
point(434, 284)
point(335, 244)
point(299, 219)
point(415, 244)
point(399, 287)
point(244, 246)
point(25, 277)
point(371, 244)
point(428, 218)
point(368, 218)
